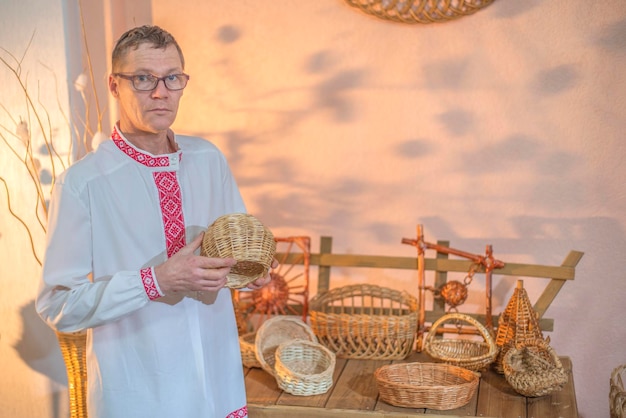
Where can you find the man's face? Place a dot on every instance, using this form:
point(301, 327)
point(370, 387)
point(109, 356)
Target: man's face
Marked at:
point(147, 112)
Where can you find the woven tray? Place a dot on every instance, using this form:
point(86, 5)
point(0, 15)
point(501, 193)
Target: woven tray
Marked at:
point(243, 237)
point(276, 331)
point(365, 321)
point(426, 385)
point(534, 369)
point(304, 368)
point(617, 394)
point(471, 354)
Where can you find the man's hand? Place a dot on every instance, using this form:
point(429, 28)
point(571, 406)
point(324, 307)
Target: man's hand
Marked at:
point(260, 282)
point(185, 271)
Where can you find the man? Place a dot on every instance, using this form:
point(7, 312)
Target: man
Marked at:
point(122, 262)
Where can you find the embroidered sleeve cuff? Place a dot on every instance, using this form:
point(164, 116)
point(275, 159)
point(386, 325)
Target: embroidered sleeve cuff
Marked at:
point(150, 284)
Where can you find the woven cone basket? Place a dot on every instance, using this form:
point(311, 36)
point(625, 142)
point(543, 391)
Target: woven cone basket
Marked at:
point(518, 325)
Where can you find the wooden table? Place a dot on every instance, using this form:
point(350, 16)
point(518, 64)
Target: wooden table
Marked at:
point(354, 394)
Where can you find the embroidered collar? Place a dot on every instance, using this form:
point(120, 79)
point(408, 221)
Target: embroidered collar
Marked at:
point(141, 156)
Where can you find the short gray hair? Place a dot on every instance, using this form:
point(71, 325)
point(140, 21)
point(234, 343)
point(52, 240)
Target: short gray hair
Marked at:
point(146, 34)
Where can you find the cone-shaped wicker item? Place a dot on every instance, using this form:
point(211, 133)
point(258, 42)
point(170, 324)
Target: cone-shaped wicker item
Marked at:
point(518, 324)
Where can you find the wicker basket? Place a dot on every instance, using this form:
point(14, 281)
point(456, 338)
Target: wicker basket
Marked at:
point(73, 349)
point(534, 369)
point(243, 237)
point(617, 394)
point(276, 331)
point(304, 368)
point(426, 385)
point(518, 324)
point(365, 322)
point(248, 355)
point(471, 354)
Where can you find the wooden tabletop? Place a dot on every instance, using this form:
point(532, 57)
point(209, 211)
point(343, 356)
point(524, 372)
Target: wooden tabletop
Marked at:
point(354, 394)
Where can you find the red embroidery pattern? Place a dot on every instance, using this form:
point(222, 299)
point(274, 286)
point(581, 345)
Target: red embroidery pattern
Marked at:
point(148, 283)
point(136, 155)
point(171, 210)
point(240, 413)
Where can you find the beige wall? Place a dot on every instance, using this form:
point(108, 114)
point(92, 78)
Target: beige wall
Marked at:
point(501, 128)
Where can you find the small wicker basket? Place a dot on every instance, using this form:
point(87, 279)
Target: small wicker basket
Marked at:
point(534, 369)
point(426, 385)
point(462, 352)
point(365, 322)
point(248, 356)
point(276, 331)
point(243, 237)
point(617, 394)
point(304, 368)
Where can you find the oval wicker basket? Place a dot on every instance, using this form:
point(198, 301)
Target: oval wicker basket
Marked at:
point(304, 368)
point(273, 333)
point(426, 385)
point(471, 354)
point(246, 345)
point(617, 394)
point(534, 369)
point(365, 321)
point(243, 237)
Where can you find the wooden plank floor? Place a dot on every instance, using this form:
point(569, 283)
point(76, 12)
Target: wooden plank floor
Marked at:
point(354, 394)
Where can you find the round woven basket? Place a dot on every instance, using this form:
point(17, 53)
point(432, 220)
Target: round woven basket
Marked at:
point(534, 369)
point(365, 322)
point(243, 237)
point(248, 356)
point(471, 354)
point(426, 385)
point(273, 333)
point(304, 368)
point(617, 394)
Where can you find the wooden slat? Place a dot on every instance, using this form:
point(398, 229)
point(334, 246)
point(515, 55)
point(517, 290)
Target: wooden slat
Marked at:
point(261, 387)
point(497, 398)
point(555, 285)
point(323, 281)
point(558, 404)
point(356, 387)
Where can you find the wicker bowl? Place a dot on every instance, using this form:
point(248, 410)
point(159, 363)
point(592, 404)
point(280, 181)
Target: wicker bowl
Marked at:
point(304, 367)
point(617, 394)
point(248, 356)
point(274, 332)
point(471, 354)
point(243, 237)
point(426, 385)
point(534, 369)
point(365, 322)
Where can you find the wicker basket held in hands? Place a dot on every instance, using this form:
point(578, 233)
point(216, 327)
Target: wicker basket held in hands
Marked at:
point(426, 385)
point(243, 237)
point(471, 354)
point(304, 368)
point(365, 322)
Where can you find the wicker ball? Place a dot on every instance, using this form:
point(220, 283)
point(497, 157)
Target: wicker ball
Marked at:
point(243, 237)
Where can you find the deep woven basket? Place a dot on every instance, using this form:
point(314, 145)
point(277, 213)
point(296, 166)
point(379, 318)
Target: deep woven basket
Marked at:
point(534, 369)
point(304, 368)
point(248, 355)
point(243, 237)
point(73, 349)
point(426, 385)
point(617, 394)
point(274, 332)
point(462, 352)
point(365, 322)
point(517, 325)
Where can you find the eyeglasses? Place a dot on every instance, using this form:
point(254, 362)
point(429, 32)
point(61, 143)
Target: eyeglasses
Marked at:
point(148, 82)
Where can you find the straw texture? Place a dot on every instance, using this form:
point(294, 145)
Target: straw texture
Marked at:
point(471, 354)
point(426, 385)
point(304, 368)
point(365, 321)
point(248, 355)
point(243, 237)
point(617, 394)
point(73, 349)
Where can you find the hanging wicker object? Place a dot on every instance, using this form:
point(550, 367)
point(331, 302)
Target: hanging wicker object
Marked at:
point(243, 237)
point(419, 11)
point(534, 369)
point(73, 348)
point(517, 325)
point(471, 354)
point(617, 393)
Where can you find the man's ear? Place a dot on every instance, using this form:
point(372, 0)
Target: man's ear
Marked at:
point(113, 86)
